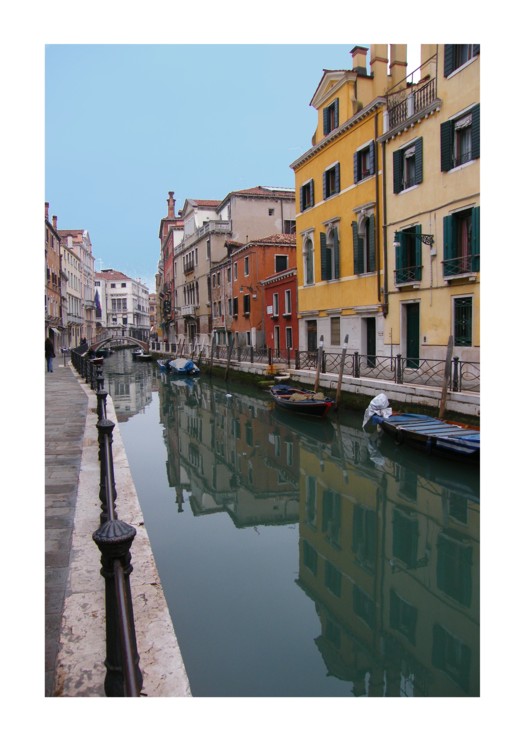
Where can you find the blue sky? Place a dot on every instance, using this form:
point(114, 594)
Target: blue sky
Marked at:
point(125, 124)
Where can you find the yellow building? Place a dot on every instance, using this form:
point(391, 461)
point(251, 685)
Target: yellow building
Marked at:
point(338, 182)
point(431, 161)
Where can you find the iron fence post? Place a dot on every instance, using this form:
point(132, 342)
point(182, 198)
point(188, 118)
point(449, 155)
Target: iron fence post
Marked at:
point(398, 372)
point(356, 365)
point(105, 439)
point(101, 396)
point(123, 678)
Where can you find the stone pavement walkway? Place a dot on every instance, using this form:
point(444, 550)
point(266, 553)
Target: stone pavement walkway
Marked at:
point(75, 634)
point(65, 420)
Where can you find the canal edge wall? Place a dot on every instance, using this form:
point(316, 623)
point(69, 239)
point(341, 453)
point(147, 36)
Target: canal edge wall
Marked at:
point(358, 392)
point(80, 669)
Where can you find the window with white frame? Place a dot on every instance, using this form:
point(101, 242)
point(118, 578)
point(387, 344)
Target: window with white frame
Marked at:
point(287, 301)
point(309, 274)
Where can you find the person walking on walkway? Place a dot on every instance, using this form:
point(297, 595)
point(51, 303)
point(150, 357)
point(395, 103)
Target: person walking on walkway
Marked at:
point(49, 353)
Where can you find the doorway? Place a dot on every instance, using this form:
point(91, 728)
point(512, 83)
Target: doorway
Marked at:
point(412, 317)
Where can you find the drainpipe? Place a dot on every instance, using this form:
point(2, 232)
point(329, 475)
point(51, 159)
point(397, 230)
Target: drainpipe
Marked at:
point(377, 246)
point(385, 305)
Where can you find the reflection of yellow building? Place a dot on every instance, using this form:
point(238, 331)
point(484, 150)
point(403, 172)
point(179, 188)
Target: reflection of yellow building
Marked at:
point(390, 557)
point(432, 181)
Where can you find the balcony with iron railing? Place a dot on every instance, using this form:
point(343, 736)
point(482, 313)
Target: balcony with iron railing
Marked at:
point(413, 96)
point(408, 274)
point(213, 226)
point(461, 266)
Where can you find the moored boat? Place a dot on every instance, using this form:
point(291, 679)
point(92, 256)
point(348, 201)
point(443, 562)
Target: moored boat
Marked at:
point(184, 367)
point(163, 363)
point(430, 434)
point(301, 401)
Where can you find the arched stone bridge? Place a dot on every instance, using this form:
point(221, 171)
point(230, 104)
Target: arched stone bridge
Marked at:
point(122, 339)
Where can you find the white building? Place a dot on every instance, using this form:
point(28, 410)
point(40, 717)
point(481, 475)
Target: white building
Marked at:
point(73, 312)
point(121, 304)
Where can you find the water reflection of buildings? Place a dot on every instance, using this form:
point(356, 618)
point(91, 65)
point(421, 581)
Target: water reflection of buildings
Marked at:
point(129, 384)
point(225, 454)
point(390, 557)
point(389, 547)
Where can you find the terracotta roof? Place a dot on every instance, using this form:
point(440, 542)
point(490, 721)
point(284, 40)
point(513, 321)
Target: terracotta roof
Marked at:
point(279, 239)
point(111, 275)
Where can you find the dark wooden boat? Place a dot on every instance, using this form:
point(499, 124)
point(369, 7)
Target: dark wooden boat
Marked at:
point(300, 401)
point(432, 435)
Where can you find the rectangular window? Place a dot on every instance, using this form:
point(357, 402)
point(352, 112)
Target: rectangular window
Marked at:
point(407, 166)
point(335, 330)
point(281, 262)
point(307, 195)
point(275, 305)
point(247, 304)
point(289, 226)
point(330, 117)
point(331, 180)
point(408, 255)
point(289, 338)
point(364, 162)
point(456, 55)
point(463, 321)
point(246, 266)
point(287, 301)
point(460, 139)
point(462, 242)
point(364, 258)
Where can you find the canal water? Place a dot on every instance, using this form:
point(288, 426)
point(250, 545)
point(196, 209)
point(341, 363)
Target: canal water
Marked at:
point(300, 558)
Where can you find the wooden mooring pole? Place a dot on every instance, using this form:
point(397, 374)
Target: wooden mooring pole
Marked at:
point(447, 376)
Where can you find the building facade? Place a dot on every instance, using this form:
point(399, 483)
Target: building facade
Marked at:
point(280, 315)
point(431, 145)
point(340, 267)
point(124, 304)
point(79, 242)
point(53, 281)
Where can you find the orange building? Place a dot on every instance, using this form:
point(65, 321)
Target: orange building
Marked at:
point(251, 264)
point(53, 294)
point(280, 316)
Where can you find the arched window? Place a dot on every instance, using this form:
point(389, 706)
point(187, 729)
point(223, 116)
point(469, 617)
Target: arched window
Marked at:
point(309, 276)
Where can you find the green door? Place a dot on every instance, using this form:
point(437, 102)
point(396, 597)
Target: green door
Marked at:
point(412, 335)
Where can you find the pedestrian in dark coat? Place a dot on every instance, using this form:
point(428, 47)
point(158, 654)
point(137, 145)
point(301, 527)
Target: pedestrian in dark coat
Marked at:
point(49, 353)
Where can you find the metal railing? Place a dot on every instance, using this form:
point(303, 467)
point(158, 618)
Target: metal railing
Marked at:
point(463, 375)
point(114, 538)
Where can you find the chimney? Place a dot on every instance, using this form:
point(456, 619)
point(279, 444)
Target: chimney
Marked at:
point(399, 62)
point(379, 67)
point(359, 54)
point(171, 205)
point(55, 220)
point(47, 211)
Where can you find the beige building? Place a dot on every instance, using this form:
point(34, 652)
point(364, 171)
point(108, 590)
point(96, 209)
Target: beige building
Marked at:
point(79, 242)
point(431, 154)
point(73, 314)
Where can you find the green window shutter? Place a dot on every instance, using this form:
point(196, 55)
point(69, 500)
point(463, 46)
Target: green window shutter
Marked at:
point(475, 132)
point(324, 185)
point(372, 256)
point(337, 178)
point(372, 158)
point(449, 243)
point(356, 174)
point(358, 251)
point(400, 257)
point(475, 239)
point(336, 114)
point(323, 256)
point(418, 161)
point(448, 59)
point(418, 253)
point(312, 187)
point(326, 121)
point(446, 146)
point(336, 252)
point(398, 160)
point(302, 198)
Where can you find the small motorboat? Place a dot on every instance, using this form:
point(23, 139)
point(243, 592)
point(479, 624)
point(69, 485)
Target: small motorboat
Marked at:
point(430, 434)
point(301, 401)
point(184, 367)
point(163, 363)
